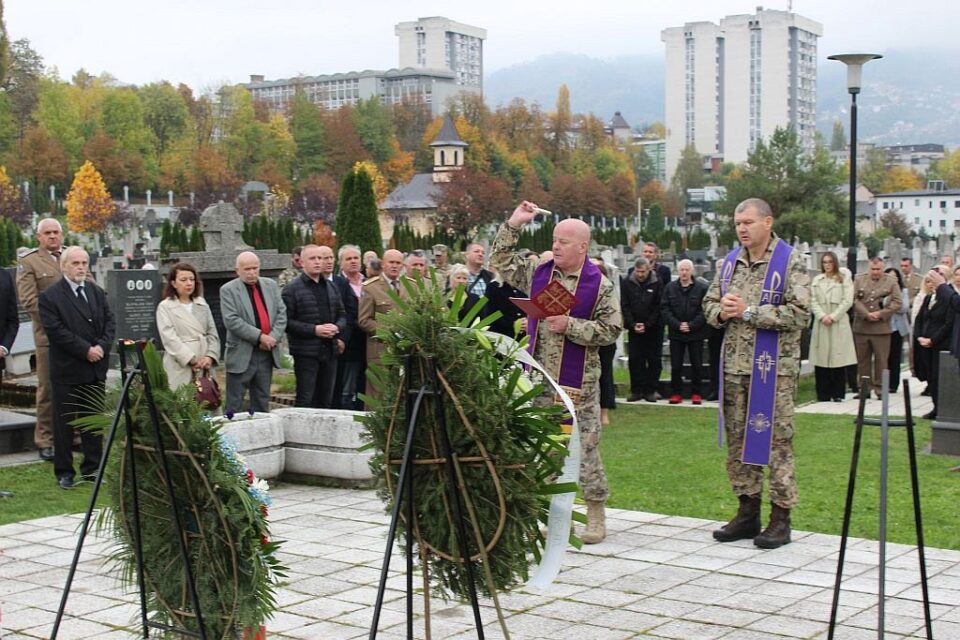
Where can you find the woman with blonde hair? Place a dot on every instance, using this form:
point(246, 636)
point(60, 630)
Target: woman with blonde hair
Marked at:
point(831, 345)
point(190, 340)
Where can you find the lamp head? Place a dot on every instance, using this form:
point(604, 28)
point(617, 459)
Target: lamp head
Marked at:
point(854, 62)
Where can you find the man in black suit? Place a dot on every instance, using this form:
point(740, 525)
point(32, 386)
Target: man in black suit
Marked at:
point(315, 319)
point(80, 326)
point(9, 325)
point(9, 318)
point(352, 346)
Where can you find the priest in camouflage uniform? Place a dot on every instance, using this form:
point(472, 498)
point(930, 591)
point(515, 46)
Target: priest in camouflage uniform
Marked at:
point(761, 295)
point(567, 345)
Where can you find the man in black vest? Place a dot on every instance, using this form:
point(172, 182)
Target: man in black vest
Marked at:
point(80, 326)
point(315, 319)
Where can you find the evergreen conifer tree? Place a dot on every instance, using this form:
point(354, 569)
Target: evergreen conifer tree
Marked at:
point(343, 206)
point(363, 226)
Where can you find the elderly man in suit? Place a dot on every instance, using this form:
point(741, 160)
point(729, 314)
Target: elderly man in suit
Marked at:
point(38, 269)
point(376, 301)
point(315, 320)
point(352, 349)
point(80, 326)
point(256, 318)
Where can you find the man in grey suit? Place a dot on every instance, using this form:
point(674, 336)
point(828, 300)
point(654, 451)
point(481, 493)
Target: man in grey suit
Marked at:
point(256, 318)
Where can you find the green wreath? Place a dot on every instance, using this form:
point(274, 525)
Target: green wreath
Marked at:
point(508, 450)
point(223, 508)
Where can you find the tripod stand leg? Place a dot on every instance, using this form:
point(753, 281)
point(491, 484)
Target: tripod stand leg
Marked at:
point(84, 526)
point(848, 506)
point(918, 519)
point(406, 470)
point(174, 506)
point(884, 456)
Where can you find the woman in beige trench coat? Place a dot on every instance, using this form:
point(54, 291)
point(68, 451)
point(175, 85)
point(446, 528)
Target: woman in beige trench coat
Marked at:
point(187, 331)
point(831, 345)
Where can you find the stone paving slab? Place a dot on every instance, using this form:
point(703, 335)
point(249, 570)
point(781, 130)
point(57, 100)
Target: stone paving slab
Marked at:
point(656, 576)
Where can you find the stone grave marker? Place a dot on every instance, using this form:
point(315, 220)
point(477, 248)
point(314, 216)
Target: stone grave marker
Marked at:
point(134, 295)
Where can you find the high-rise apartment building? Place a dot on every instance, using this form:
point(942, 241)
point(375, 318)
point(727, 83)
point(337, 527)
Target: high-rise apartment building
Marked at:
point(439, 59)
point(441, 43)
point(730, 85)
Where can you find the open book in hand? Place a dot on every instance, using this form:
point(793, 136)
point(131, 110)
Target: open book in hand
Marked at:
point(552, 300)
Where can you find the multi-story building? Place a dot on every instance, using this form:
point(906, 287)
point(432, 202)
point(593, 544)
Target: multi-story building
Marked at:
point(439, 59)
point(730, 85)
point(433, 87)
point(441, 43)
point(933, 210)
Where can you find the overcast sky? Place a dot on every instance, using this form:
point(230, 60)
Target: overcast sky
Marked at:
point(208, 42)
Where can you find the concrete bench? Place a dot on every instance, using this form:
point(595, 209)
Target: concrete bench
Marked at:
point(16, 431)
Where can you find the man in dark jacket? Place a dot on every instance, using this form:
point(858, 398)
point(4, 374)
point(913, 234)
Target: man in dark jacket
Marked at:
point(80, 326)
point(682, 312)
point(353, 352)
point(315, 318)
point(640, 302)
point(9, 316)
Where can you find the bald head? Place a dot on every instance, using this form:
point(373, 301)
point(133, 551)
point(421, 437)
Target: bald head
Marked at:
point(571, 238)
point(248, 267)
point(392, 263)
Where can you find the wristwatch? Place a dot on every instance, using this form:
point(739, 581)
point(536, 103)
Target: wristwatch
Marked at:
point(747, 314)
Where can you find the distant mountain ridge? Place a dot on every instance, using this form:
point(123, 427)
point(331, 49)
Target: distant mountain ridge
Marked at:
point(909, 97)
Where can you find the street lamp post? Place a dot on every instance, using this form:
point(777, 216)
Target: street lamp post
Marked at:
point(854, 62)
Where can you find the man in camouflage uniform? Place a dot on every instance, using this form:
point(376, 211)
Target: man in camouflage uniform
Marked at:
point(739, 312)
point(292, 272)
point(441, 264)
point(38, 269)
point(571, 239)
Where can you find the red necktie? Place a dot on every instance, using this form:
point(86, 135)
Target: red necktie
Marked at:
point(261, 310)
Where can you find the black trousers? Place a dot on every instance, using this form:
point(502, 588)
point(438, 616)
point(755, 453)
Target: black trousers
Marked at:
point(71, 401)
point(608, 390)
point(315, 381)
point(929, 361)
point(645, 351)
point(895, 360)
point(677, 349)
point(831, 382)
point(714, 346)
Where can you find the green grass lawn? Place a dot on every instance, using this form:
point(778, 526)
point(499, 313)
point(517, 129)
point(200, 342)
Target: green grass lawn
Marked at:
point(37, 495)
point(666, 460)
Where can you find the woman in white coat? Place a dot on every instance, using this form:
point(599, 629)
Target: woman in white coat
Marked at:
point(831, 345)
point(189, 336)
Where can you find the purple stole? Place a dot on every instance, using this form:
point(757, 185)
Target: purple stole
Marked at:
point(574, 358)
point(761, 402)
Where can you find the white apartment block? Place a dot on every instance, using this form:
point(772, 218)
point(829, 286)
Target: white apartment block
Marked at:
point(441, 43)
point(934, 211)
point(730, 85)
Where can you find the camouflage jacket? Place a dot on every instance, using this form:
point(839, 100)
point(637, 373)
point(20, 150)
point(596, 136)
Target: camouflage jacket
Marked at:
point(789, 318)
point(601, 329)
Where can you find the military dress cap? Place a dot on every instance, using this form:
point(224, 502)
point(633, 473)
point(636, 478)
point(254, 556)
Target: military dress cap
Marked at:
point(440, 248)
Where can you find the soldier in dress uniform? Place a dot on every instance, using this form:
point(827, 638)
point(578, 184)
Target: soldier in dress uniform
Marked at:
point(876, 297)
point(37, 270)
point(375, 301)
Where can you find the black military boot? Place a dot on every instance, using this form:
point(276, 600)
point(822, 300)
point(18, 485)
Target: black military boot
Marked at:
point(777, 532)
point(745, 525)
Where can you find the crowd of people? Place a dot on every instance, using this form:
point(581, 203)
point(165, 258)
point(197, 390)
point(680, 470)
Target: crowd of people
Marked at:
point(324, 311)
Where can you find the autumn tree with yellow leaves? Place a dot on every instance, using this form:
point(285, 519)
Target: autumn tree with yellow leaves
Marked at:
point(89, 205)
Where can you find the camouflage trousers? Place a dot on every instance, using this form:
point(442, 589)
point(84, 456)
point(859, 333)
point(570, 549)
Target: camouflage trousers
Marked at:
point(747, 479)
point(593, 479)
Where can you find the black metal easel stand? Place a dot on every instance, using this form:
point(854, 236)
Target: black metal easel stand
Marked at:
point(123, 408)
point(884, 422)
point(429, 388)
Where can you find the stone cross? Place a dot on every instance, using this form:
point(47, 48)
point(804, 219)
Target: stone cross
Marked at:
point(222, 227)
